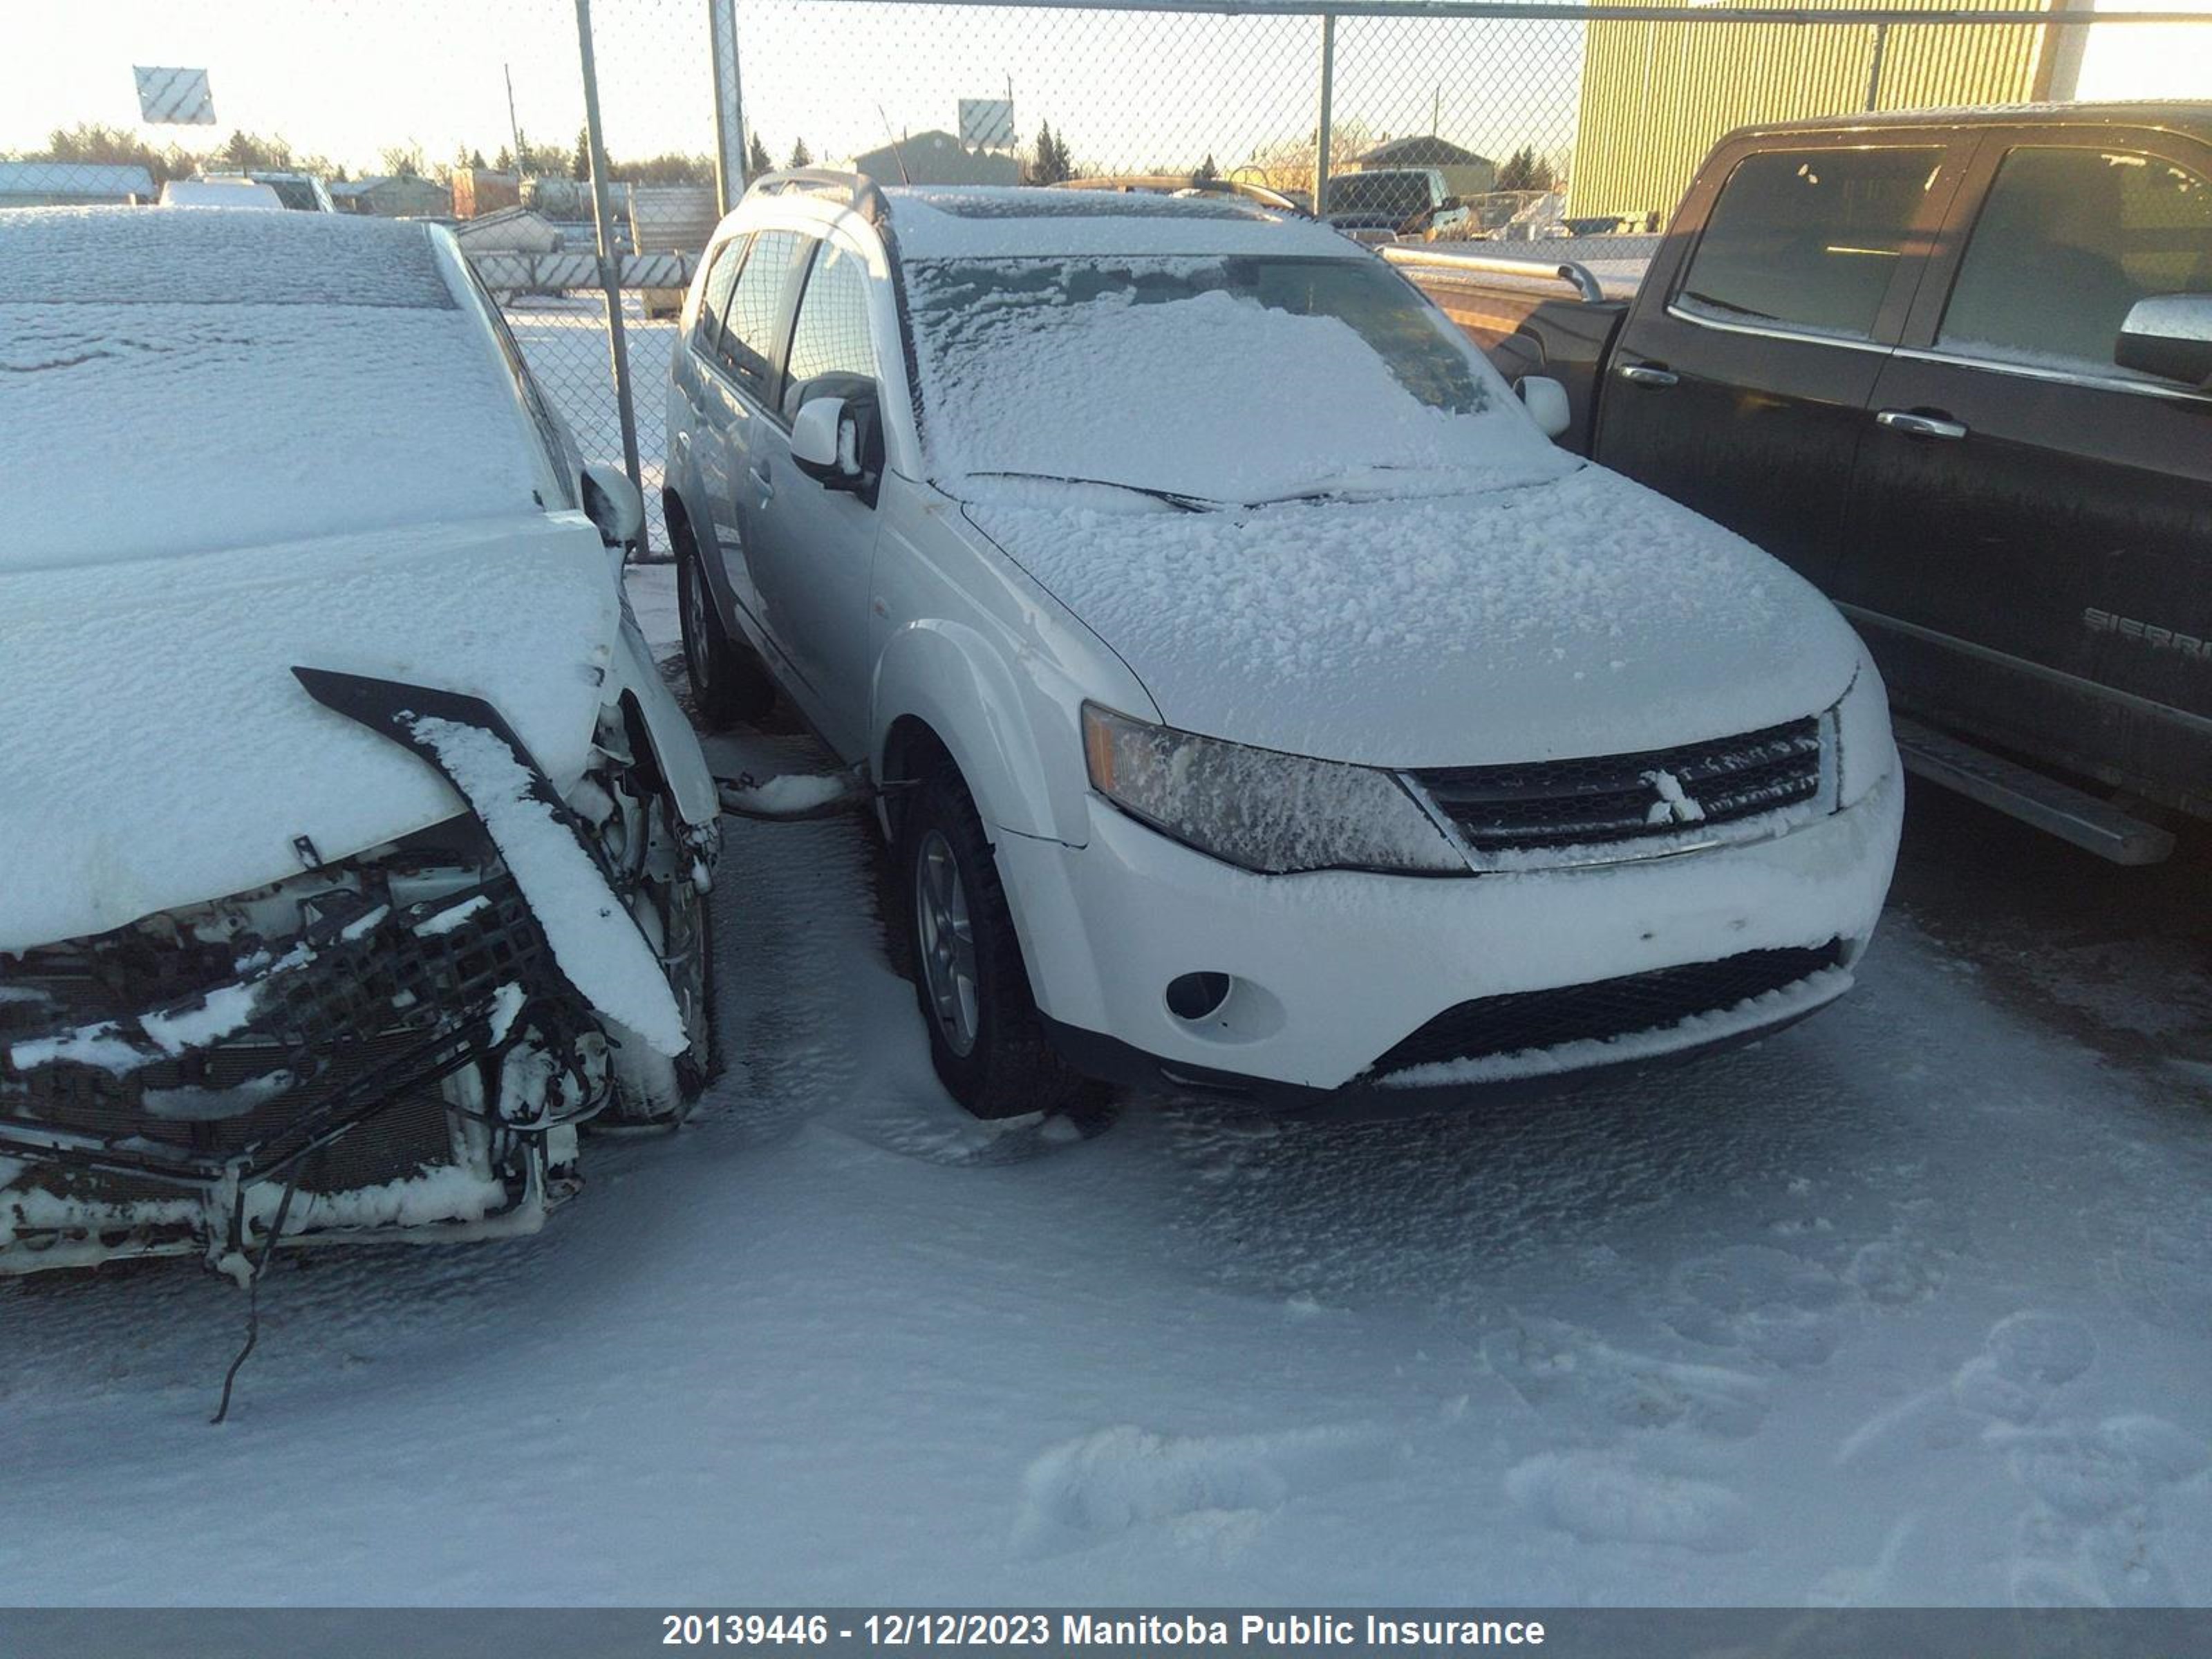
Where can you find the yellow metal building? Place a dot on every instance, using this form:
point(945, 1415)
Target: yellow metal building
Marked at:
point(1654, 96)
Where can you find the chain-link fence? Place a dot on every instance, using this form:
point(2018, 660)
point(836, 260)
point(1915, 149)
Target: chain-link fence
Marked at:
point(1442, 119)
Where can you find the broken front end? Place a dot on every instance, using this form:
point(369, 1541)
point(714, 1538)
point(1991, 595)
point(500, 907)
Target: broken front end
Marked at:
point(386, 1043)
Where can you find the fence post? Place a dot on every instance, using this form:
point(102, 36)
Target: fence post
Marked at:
point(729, 104)
point(1874, 72)
point(1322, 131)
point(609, 269)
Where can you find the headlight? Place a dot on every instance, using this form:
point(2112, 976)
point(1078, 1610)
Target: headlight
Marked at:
point(1866, 753)
point(1261, 809)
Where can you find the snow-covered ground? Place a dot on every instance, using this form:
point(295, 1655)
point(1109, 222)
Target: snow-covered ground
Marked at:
point(1909, 1305)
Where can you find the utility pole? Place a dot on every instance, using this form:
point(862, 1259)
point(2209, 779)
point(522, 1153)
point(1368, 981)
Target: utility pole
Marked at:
point(610, 266)
point(1327, 115)
point(729, 106)
point(513, 127)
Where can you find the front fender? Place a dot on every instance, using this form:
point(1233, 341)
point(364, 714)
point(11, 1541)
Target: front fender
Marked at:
point(674, 745)
point(1019, 746)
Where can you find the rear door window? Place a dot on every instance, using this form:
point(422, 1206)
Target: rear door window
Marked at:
point(1809, 240)
point(748, 339)
point(2066, 244)
point(714, 298)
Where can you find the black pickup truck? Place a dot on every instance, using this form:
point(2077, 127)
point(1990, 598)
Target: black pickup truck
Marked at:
point(1956, 368)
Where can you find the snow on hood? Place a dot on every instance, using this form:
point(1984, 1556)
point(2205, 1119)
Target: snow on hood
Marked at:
point(175, 382)
point(162, 754)
point(1584, 615)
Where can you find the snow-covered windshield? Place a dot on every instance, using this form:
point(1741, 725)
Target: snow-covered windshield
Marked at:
point(1205, 379)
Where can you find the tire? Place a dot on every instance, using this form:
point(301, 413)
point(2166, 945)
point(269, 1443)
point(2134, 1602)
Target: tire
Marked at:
point(728, 683)
point(987, 1042)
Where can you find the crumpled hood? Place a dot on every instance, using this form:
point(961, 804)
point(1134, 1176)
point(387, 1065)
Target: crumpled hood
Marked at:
point(1580, 615)
point(159, 752)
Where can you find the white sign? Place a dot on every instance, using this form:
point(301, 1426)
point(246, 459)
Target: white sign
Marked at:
point(988, 122)
point(174, 97)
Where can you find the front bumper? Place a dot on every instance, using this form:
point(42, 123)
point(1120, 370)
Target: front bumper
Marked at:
point(1333, 971)
point(149, 1106)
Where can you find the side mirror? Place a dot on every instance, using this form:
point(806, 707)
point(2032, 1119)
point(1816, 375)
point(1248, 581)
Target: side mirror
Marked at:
point(611, 501)
point(2168, 335)
point(1548, 405)
point(825, 443)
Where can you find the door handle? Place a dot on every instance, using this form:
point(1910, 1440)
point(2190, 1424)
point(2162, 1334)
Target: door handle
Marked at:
point(1920, 426)
point(763, 482)
point(1650, 375)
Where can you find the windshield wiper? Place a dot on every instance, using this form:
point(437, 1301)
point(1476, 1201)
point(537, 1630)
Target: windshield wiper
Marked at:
point(1181, 503)
point(1333, 489)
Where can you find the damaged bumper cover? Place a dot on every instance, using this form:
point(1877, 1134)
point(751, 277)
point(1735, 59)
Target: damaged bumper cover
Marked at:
point(241, 1078)
point(406, 1036)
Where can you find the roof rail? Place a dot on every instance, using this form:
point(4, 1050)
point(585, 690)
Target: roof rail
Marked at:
point(858, 188)
point(1167, 184)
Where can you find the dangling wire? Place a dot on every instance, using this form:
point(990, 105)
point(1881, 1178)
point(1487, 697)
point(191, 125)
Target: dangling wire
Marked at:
point(253, 1288)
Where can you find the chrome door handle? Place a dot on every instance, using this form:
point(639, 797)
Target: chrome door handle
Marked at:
point(1647, 374)
point(765, 485)
point(1920, 426)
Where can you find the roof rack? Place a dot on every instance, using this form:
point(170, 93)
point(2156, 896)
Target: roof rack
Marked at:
point(1169, 184)
point(857, 188)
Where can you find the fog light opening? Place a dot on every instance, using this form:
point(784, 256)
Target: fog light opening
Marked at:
point(1194, 996)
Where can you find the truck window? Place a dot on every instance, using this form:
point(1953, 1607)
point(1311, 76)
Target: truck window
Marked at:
point(2067, 242)
point(1809, 240)
point(832, 334)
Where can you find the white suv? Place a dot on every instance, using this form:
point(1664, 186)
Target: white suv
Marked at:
point(1257, 701)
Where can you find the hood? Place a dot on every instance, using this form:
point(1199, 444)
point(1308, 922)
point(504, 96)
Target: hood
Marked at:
point(1581, 614)
point(161, 754)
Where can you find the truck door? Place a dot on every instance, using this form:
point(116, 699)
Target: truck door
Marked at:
point(1740, 383)
point(2032, 524)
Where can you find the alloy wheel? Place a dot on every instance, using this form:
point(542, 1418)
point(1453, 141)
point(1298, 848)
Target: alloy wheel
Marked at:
point(947, 941)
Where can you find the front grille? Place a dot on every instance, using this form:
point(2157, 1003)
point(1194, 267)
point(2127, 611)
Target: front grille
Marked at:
point(1615, 798)
point(1524, 1020)
point(371, 1023)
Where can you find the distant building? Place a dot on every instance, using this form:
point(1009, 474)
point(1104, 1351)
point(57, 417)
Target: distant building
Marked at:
point(1655, 96)
point(1465, 173)
point(389, 197)
point(478, 191)
point(72, 183)
point(937, 158)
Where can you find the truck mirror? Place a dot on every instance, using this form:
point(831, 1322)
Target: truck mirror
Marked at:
point(2168, 335)
point(1548, 405)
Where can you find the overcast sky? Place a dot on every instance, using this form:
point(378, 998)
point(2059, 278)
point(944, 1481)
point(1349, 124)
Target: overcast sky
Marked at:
point(346, 77)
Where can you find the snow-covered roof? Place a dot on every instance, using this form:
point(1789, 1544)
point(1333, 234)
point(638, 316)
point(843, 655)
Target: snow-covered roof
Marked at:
point(188, 381)
point(983, 222)
point(221, 193)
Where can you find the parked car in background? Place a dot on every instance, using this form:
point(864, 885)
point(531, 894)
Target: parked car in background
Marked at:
point(1258, 703)
point(302, 192)
point(1386, 204)
point(232, 192)
point(355, 853)
point(1954, 368)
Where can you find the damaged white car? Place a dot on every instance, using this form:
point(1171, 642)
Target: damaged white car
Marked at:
point(353, 854)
